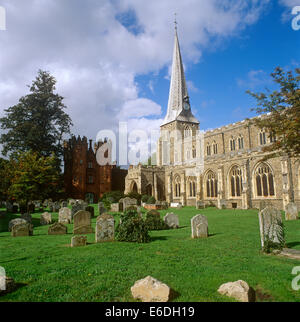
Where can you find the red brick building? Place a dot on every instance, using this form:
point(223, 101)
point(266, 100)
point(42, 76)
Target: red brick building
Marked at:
point(84, 178)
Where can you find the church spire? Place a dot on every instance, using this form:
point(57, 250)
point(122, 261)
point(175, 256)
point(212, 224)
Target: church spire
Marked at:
point(178, 96)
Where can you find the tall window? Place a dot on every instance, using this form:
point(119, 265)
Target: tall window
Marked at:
point(194, 153)
point(215, 147)
point(236, 182)
point(262, 138)
point(208, 149)
point(264, 181)
point(187, 132)
point(90, 165)
point(272, 137)
point(232, 144)
point(241, 142)
point(211, 185)
point(192, 187)
point(177, 186)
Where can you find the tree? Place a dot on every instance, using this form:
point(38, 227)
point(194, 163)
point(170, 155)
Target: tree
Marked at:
point(38, 122)
point(5, 170)
point(34, 177)
point(283, 108)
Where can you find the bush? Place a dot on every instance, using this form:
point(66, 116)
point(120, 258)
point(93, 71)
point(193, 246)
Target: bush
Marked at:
point(151, 201)
point(145, 198)
point(154, 222)
point(135, 195)
point(132, 228)
point(113, 196)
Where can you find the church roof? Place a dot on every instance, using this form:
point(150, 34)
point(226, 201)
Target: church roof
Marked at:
point(178, 90)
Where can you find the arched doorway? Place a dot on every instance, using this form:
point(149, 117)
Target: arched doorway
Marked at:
point(134, 187)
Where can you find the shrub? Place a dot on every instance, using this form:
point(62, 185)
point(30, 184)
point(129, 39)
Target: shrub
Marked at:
point(151, 201)
point(145, 198)
point(154, 222)
point(132, 228)
point(135, 195)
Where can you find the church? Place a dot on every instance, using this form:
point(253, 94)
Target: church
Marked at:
point(223, 167)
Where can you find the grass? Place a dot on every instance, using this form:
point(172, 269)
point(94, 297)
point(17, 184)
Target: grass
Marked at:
point(49, 270)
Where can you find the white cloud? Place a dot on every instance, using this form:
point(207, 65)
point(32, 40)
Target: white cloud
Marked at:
point(254, 79)
point(96, 59)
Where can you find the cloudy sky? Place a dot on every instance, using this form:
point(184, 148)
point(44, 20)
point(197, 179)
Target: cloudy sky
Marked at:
point(112, 58)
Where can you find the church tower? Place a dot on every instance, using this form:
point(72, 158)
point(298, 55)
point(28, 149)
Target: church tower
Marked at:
point(177, 143)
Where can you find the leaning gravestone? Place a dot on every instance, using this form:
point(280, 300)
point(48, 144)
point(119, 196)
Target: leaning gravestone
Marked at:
point(57, 229)
point(78, 241)
point(46, 219)
point(21, 230)
point(171, 220)
point(270, 224)
point(64, 216)
point(16, 221)
point(199, 226)
point(91, 210)
point(82, 223)
point(291, 211)
point(105, 228)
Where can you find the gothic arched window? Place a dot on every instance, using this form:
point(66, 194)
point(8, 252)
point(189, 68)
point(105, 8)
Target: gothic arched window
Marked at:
point(236, 181)
point(211, 185)
point(232, 144)
point(241, 142)
point(215, 147)
point(192, 187)
point(208, 149)
point(177, 186)
point(264, 181)
point(262, 137)
point(187, 132)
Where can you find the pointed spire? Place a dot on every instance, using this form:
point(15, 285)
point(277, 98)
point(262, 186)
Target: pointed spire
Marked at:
point(178, 89)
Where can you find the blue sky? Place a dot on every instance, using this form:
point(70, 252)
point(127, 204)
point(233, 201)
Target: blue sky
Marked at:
point(112, 58)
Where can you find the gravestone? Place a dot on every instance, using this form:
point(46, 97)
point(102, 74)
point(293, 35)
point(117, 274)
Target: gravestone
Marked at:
point(101, 208)
point(64, 216)
point(9, 206)
point(82, 223)
point(91, 210)
point(64, 204)
point(114, 207)
point(171, 220)
point(72, 202)
point(105, 228)
point(46, 219)
point(179, 206)
point(270, 224)
point(291, 211)
point(78, 241)
point(21, 230)
point(262, 205)
point(199, 226)
point(127, 202)
point(75, 208)
point(56, 207)
point(200, 204)
point(51, 206)
point(16, 221)
point(27, 217)
point(57, 229)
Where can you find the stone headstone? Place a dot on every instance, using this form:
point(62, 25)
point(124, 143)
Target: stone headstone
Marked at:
point(57, 229)
point(150, 289)
point(270, 224)
point(27, 217)
point(114, 207)
point(291, 211)
point(64, 216)
point(46, 219)
point(101, 208)
point(7, 284)
point(127, 202)
point(16, 221)
point(91, 210)
point(200, 204)
point(171, 220)
point(262, 205)
point(239, 290)
point(199, 226)
point(56, 207)
point(82, 223)
point(64, 204)
point(174, 204)
point(105, 228)
point(75, 208)
point(78, 241)
point(72, 202)
point(21, 230)
point(51, 206)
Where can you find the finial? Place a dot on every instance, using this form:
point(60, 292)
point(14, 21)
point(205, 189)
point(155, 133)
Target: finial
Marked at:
point(175, 22)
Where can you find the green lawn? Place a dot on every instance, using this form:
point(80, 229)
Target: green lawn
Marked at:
point(49, 270)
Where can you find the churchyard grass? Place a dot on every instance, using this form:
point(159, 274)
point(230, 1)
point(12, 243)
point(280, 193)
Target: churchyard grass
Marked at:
point(48, 269)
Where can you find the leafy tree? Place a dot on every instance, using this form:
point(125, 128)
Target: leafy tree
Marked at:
point(38, 122)
point(34, 177)
point(283, 106)
point(5, 170)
